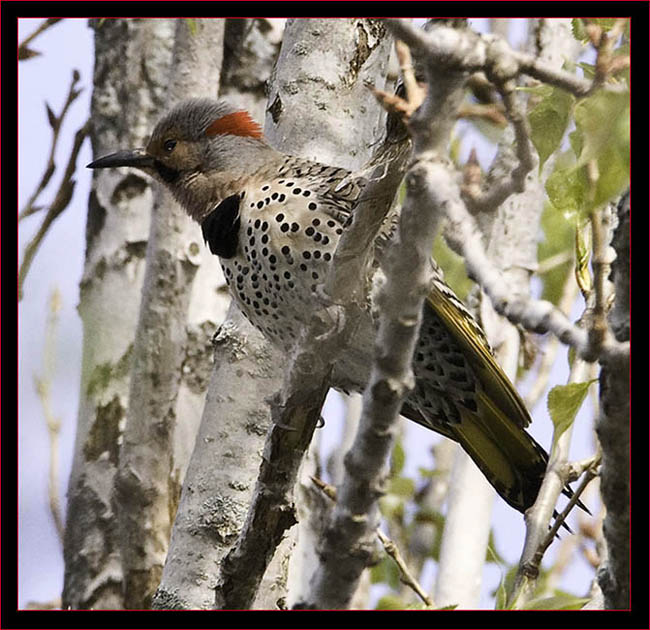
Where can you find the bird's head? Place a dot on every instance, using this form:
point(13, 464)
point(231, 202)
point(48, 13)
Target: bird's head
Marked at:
point(196, 148)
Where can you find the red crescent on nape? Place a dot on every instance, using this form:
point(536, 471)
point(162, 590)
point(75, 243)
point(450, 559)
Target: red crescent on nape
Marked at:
point(236, 124)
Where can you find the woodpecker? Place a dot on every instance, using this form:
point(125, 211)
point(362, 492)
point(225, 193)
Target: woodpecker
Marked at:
point(274, 221)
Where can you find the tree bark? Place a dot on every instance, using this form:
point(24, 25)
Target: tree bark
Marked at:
point(129, 87)
point(322, 96)
point(145, 497)
point(243, 368)
point(613, 429)
point(224, 465)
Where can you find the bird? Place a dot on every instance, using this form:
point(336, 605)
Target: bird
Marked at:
point(274, 221)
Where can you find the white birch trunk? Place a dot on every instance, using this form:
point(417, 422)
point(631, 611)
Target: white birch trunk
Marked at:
point(118, 223)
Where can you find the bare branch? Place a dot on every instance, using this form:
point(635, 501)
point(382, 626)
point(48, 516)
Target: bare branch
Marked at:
point(492, 113)
point(56, 123)
point(598, 327)
point(473, 52)
point(557, 476)
point(58, 205)
point(406, 577)
point(532, 66)
point(348, 541)
point(515, 180)
point(24, 52)
point(536, 315)
point(389, 546)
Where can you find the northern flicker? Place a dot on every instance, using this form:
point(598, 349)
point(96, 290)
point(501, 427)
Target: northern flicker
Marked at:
point(275, 221)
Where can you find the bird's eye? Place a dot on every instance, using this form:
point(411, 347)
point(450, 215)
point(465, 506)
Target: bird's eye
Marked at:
point(169, 145)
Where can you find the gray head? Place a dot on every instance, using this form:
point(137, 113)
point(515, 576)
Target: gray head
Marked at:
point(199, 134)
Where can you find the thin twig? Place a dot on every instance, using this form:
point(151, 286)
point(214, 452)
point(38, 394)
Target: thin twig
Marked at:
point(60, 203)
point(415, 91)
point(390, 547)
point(539, 515)
point(492, 113)
point(415, 94)
point(604, 41)
point(540, 316)
point(515, 180)
point(590, 475)
point(406, 577)
point(471, 52)
point(24, 52)
point(56, 123)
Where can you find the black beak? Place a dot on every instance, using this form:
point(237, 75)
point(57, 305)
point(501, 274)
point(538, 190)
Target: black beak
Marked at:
point(137, 158)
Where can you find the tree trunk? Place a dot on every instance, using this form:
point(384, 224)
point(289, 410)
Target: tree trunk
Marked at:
point(131, 68)
point(145, 496)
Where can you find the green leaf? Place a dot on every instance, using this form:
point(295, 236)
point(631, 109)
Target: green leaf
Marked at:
point(557, 602)
point(501, 598)
point(578, 29)
point(564, 402)
point(589, 69)
point(397, 459)
point(605, 23)
point(506, 585)
point(580, 32)
point(390, 602)
point(604, 120)
point(392, 506)
point(428, 473)
point(385, 572)
point(576, 140)
point(558, 240)
point(492, 554)
point(548, 122)
point(567, 190)
point(402, 487)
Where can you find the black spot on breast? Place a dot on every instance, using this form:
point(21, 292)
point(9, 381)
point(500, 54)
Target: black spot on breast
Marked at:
point(221, 227)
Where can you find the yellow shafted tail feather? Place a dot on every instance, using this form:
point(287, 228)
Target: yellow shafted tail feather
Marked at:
point(484, 413)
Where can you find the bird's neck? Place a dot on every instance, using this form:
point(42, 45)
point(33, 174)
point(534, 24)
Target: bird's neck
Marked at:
point(199, 192)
